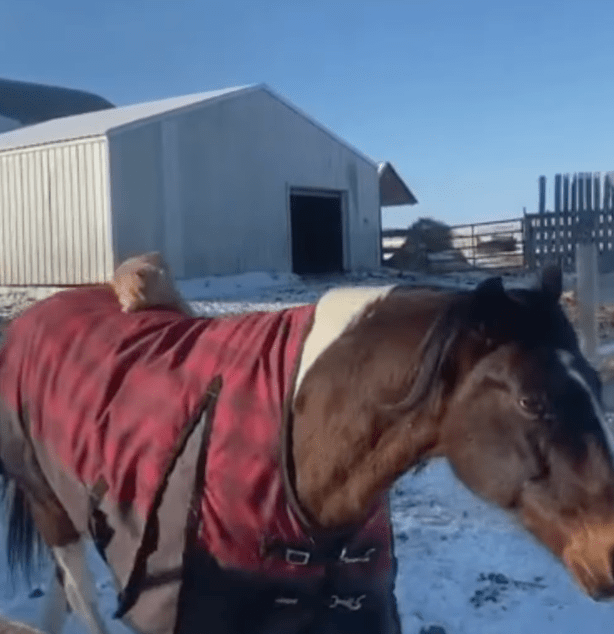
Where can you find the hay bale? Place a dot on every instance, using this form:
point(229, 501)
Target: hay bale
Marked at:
point(425, 238)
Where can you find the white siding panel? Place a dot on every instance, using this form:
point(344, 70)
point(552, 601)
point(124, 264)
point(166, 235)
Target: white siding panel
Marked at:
point(26, 206)
point(35, 218)
point(75, 211)
point(16, 217)
point(42, 182)
point(84, 239)
point(5, 248)
point(69, 210)
point(54, 215)
point(102, 228)
point(58, 187)
point(36, 226)
point(11, 226)
point(48, 225)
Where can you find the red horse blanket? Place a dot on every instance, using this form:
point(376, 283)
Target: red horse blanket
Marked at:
point(108, 395)
point(104, 396)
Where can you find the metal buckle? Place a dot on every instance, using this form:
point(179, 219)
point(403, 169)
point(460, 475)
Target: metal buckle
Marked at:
point(343, 558)
point(297, 557)
point(351, 603)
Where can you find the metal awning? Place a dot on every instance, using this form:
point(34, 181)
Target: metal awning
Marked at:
point(392, 189)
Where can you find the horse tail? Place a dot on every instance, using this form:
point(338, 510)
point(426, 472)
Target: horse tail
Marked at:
point(24, 545)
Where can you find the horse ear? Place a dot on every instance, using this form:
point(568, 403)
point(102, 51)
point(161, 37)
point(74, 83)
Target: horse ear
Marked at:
point(552, 282)
point(488, 305)
point(490, 288)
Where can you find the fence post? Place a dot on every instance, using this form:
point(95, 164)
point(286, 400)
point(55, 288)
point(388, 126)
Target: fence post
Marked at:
point(587, 276)
point(558, 182)
point(528, 235)
point(542, 194)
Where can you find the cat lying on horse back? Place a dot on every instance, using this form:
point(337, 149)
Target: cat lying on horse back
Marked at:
point(234, 472)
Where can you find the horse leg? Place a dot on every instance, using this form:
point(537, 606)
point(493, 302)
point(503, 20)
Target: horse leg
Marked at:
point(56, 605)
point(78, 584)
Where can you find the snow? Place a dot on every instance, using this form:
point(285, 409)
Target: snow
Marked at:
point(464, 566)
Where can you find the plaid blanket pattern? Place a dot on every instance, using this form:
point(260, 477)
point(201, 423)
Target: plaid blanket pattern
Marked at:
point(110, 392)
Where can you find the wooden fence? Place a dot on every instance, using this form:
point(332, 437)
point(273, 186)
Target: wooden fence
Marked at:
point(583, 202)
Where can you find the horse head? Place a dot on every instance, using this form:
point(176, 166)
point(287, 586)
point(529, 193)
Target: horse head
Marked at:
point(492, 380)
point(525, 429)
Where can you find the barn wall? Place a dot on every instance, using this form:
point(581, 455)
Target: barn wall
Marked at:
point(137, 202)
point(54, 214)
point(228, 168)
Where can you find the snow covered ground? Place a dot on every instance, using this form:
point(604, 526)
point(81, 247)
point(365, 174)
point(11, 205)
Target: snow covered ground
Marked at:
point(464, 567)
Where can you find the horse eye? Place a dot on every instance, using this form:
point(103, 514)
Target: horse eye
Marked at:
point(532, 404)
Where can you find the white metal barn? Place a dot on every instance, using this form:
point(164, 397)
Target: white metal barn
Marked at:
point(221, 182)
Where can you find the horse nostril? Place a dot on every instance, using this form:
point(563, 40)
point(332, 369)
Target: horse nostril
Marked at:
point(605, 594)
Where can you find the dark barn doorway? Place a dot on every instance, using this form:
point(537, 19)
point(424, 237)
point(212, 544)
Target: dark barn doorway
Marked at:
point(317, 233)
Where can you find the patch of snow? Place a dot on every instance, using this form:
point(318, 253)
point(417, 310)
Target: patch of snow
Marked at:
point(244, 285)
point(467, 567)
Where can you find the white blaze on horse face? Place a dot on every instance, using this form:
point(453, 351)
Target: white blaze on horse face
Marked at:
point(335, 312)
point(567, 358)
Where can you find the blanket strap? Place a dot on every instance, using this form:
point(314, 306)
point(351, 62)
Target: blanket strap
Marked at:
point(129, 595)
point(99, 528)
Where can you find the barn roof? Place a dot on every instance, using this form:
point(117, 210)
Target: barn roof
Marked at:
point(103, 122)
point(99, 123)
point(392, 188)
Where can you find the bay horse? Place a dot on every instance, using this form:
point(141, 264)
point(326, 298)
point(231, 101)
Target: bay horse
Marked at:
point(228, 509)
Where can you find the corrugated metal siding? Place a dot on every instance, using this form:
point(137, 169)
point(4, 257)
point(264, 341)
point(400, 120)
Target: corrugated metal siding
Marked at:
point(54, 204)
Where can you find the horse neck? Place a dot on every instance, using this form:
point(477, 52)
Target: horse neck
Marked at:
point(349, 443)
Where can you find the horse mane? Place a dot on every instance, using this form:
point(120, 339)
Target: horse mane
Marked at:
point(433, 355)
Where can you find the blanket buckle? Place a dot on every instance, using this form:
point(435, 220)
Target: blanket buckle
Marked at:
point(362, 559)
point(351, 603)
point(297, 557)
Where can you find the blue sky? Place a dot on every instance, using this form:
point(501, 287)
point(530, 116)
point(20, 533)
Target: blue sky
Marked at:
point(471, 100)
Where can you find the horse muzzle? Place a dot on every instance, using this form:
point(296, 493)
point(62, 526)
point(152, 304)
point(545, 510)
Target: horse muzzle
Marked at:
point(589, 556)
